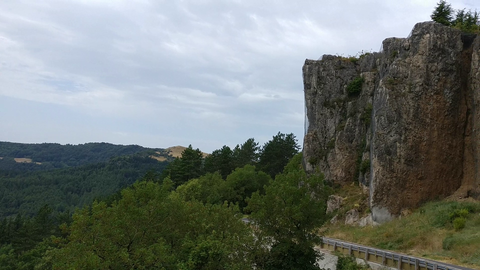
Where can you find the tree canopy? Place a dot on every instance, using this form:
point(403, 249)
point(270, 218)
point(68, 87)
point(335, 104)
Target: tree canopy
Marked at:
point(443, 13)
point(293, 205)
point(152, 228)
point(277, 152)
point(467, 21)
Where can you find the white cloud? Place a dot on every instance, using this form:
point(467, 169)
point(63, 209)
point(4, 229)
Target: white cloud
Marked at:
point(159, 73)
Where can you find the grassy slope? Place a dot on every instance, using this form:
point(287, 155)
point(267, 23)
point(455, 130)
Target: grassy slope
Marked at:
point(427, 232)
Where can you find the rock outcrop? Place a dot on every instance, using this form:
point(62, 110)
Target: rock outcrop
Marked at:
point(409, 133)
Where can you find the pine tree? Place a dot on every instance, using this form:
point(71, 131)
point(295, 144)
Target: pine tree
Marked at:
point(443, 13)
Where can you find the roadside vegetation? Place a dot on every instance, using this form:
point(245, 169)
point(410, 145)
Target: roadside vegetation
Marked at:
point(447, 231)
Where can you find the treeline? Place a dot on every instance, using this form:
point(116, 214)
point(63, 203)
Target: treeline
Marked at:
point(465, 20)
point(270, 158)
point(70, 188)
point(54, 155)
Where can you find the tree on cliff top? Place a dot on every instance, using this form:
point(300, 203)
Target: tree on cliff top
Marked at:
point(443, 13)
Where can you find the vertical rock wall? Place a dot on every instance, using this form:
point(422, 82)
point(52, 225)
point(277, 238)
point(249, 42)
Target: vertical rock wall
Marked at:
point(409, 135)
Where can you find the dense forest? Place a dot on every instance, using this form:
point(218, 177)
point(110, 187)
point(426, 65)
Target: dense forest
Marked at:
point(66, 177)
point(187, 215)
point(70, 188)
point(46, 156)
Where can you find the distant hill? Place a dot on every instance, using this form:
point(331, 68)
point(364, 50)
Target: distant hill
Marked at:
point(45, 156)
point(70, 176)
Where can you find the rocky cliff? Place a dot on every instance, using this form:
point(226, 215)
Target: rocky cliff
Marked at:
point(403, 122)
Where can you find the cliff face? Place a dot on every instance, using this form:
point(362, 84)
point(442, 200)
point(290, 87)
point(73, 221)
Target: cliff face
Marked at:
point(410, 134)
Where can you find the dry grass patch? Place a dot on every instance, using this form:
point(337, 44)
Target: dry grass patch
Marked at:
point(23, 160)
point(176, 151)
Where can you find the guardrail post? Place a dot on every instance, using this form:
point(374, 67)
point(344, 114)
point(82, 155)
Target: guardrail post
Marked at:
point(383, 258)
point(366, 254)
point(435, 267)
point(335, 246)
point(350, 250)
point(399, 263)
point(416, 264)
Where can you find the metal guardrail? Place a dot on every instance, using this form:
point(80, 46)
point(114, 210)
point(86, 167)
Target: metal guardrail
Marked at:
point(402, 261)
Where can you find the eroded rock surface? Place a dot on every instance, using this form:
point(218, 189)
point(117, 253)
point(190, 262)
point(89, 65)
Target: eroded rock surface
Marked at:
point(334, 202)
point(410, 133)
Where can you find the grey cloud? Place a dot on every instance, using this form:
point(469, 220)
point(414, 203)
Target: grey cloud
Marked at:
point(206, 72)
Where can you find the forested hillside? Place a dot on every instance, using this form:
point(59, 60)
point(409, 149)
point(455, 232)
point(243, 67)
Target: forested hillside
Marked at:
point(69, 176)
point(66, 189)
point(47, 156)
point(188, 217)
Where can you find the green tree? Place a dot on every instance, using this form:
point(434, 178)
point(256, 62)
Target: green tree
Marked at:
point(443, 13)
point(243, 182)
point(221, 161)
point(277, 152)
point(246, 154)
point(209, 188)
point(287, 215)
point(188, 166)
point(152, 228)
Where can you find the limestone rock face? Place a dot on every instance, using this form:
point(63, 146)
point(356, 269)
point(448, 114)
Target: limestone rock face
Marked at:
point(352, 217)
point(334, 202)
point(410, 133)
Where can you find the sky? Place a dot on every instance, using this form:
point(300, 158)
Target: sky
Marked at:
point(162, 73)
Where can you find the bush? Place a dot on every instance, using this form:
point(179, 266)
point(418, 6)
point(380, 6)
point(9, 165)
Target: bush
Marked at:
point(459, 223)
point(355, 86)
point(349, 263)
point(448, 242)
point(365, 166)
point(367, 114)
point(459, 213)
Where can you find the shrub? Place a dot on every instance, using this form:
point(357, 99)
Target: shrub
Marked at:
point(349, 263)
point(459, 223)
point(365, 166)
point(448, 242)
point(367, 114)
point(355, 86)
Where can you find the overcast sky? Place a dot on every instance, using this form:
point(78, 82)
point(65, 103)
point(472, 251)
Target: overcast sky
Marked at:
point(164, 73)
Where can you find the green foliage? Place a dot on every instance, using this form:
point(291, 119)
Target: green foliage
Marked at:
point(365, 166)
point(459, 223)
point(220, 161)
point(243, 182)
point(68, 188)
point(287, 215)
point(466, 21)
point(246, 154)
point(188, 166)
point(355, 87)
point(24, 241)
point(290, 255)
point(277, 152)
point(422, 231)
point(151, 228)
point(367, 114)
point(209, 188)
point(54, 155)
point(349, 263)
point(447, 213)
point(443, 13)
point(295, 164)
